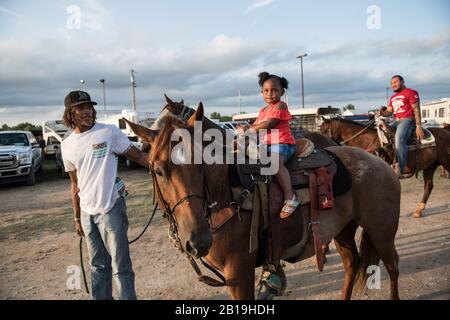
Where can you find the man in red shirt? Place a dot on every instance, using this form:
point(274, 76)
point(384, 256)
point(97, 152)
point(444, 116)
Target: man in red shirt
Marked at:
point(405, 105)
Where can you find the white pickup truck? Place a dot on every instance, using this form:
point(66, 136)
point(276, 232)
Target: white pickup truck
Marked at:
point(20, 157)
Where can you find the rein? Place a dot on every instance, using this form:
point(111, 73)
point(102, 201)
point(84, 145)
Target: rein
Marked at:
point(371, 122)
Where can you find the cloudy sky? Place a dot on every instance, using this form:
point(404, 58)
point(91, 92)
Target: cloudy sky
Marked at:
point(209, 50)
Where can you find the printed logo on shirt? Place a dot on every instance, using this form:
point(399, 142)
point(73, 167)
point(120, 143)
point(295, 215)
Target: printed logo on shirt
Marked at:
point(100, 150)
point(398, 103)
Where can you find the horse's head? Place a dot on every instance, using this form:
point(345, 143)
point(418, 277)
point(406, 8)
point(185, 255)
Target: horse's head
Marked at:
point(329, 128)
point(178, 182)
point(325, 126)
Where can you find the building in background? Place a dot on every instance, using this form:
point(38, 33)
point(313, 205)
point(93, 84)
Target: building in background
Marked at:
point(436, 112)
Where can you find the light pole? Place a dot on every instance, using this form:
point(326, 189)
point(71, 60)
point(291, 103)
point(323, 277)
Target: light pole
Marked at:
point(303, 88)
point(83, 85)
point(102, 81)
point(387, 96)
point(133, 86)
point(239, 101)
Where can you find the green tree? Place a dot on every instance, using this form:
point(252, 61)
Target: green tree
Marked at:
point(225, 118)
point(24, 126)
point(215, 115)
point(349, 107)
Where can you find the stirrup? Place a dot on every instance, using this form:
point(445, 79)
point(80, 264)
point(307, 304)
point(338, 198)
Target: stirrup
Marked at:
point(289, 207)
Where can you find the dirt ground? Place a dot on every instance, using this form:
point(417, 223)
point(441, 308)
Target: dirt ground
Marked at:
point(38, 246)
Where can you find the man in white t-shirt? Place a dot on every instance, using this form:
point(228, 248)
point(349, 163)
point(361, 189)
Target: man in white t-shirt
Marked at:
point(90, 156)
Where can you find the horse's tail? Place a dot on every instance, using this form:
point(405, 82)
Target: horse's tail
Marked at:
point(368, 256)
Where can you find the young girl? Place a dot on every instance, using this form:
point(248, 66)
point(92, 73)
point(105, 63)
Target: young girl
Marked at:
point(277, 116)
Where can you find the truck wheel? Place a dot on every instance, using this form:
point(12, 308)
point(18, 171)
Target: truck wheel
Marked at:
point(31, 179)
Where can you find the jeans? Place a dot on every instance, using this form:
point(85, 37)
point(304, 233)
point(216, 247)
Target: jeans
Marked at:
point(404, 129)
point(109, 255)
point(286, 150)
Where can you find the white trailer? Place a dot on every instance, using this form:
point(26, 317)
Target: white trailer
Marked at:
point(53, 132)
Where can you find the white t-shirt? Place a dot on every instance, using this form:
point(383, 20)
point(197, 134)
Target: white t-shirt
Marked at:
point(94, 155)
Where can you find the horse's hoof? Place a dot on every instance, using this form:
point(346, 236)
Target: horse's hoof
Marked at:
point(267, 293)
point(417, 215)
point(419, 211)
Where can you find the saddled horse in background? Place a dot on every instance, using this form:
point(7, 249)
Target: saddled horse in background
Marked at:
point(185, 190)
point(366, 137)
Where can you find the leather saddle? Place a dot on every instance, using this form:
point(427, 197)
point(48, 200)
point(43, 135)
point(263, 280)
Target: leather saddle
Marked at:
point(305, 159)
point(413, 144)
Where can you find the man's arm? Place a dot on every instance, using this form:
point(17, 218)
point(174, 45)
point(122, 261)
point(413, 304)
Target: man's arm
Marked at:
point(137, 156)
point(419, 132)
point(417, 115)
point(76, 202)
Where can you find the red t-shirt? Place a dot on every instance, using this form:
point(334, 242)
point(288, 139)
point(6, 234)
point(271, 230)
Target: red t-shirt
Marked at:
point(402, 103)
point(284, 135)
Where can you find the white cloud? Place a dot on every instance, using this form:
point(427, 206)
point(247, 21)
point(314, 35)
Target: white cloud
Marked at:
point(257, 5)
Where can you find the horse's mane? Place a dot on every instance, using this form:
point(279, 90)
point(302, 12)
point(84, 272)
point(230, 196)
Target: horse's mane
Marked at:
point(351, 122)
point(169, 124)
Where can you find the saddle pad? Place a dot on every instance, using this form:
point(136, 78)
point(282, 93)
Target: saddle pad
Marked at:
point(342, 181)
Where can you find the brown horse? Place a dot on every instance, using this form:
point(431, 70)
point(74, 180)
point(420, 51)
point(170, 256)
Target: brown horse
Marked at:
point(181, 111)
point(358, 135)
point(185, 190)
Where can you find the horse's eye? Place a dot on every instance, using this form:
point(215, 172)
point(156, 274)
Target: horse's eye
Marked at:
point(158, 172)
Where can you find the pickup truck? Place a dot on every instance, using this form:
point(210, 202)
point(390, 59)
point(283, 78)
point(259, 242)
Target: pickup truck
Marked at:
point(20, 157)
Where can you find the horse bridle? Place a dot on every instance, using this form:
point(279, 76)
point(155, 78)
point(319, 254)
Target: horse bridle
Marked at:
point(352, 137)
point(169, 213)
point(330, 128)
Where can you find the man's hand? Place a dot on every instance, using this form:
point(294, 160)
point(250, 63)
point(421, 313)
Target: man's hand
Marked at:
point(79, 229)
point(419, 133)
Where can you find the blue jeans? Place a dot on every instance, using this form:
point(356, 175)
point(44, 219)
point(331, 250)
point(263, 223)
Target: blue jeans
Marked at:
point(286, 150)
point(109, 255)
point(404, 129)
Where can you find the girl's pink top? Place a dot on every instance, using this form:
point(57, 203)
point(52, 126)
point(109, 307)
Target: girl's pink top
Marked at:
point(284, 135)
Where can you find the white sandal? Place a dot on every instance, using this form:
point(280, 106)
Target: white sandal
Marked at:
point(289, 207)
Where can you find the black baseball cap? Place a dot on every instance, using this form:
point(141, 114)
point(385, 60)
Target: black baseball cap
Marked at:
point(75, 98)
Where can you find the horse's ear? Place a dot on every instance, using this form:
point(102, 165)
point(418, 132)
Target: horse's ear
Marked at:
point(182, 101)
point(173, 107)
point(146, 134)
point(168, 100)
point(197, 116)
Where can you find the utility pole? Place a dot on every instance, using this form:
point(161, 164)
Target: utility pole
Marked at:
point(303, 88)
point(239, 101)
point(133, 86)
point(387, 96)
point(83, 85)
point(102, 81)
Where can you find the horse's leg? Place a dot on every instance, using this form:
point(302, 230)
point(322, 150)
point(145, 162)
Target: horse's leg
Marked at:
point(240, 279)
point(428, 174)
point(386, 251)
point(346, 246)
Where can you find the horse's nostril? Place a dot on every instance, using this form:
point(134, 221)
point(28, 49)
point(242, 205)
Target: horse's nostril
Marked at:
point(190, 249)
